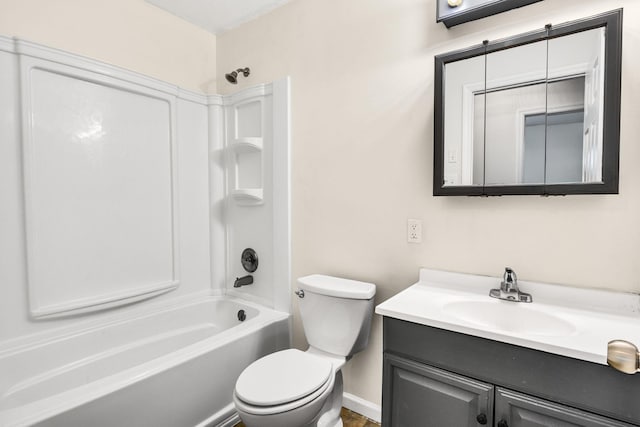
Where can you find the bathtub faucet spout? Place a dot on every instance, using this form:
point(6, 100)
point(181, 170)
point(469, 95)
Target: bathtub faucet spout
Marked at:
point(243, 281)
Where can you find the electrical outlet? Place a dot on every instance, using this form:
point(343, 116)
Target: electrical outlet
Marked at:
point(414, 231)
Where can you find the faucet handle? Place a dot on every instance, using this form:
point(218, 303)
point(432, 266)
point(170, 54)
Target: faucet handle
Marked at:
point(509, 275)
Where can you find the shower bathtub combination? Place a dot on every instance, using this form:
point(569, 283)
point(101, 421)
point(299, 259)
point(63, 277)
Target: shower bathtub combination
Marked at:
point(126, 205)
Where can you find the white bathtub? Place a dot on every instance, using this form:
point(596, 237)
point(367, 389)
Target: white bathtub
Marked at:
point(174, 367)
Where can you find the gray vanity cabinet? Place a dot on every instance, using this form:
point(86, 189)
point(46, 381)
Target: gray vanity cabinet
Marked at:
point(520, 410)
point(426, 396)
point(438, 378)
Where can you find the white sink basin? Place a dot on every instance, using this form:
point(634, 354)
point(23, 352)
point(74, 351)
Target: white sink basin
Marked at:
point(509, 317)
point(568, 321)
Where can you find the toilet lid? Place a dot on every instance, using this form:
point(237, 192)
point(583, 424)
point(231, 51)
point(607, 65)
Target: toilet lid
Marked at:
point(282, 377)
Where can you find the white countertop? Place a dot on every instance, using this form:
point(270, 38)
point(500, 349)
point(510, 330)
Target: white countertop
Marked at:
point(587, 319)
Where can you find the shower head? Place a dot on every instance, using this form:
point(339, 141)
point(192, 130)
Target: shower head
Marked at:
point(232, 77)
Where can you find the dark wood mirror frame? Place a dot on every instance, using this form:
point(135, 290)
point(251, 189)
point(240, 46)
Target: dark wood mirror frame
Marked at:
point(612, 21)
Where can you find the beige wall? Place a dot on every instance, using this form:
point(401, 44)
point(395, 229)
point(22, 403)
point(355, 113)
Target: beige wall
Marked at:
point(362, 108)
point(129, 33)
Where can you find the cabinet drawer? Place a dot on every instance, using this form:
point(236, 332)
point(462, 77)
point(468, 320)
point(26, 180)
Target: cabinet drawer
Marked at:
point(420, 395)
point(521, 410)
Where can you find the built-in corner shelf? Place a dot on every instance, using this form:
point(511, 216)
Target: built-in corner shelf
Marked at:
point(247, 155)
point(245, 147)
point(247, 144)
point(248, 196)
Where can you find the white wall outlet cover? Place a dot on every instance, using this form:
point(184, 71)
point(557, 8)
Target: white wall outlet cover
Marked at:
point(414, 231)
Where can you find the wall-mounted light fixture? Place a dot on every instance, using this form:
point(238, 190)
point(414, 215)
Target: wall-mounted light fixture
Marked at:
point(232, 77)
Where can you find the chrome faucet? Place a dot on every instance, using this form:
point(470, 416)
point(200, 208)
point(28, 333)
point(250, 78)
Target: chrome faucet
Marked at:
point(509, 288)
point(243, 281)
point(509, 281)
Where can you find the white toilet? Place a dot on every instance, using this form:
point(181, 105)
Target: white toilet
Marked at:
point(292, 388)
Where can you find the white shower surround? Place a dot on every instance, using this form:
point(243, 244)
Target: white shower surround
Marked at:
point(200, 237)
point(100, 188)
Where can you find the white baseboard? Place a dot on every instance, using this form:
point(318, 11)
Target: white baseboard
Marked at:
point(362, 406)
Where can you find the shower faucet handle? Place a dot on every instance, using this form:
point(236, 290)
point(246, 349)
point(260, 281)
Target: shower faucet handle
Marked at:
point(249, 260)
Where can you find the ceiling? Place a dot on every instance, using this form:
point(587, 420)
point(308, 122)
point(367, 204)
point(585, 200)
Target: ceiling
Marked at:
point(218, 16)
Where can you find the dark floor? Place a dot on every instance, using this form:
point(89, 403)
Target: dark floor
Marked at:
point(353, 419)
point(349, 419)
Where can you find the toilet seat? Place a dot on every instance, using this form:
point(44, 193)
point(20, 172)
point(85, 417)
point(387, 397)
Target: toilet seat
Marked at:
point(283, 381)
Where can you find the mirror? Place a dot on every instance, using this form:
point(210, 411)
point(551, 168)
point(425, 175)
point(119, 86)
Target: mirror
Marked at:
point(533, 114)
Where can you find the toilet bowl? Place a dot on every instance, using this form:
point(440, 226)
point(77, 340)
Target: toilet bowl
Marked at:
point(292, 388)
point(287, 388)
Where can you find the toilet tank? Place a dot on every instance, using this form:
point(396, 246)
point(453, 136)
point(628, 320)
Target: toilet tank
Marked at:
point(336, 313)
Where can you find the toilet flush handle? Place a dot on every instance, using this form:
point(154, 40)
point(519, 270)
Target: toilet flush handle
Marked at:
point(300, 293)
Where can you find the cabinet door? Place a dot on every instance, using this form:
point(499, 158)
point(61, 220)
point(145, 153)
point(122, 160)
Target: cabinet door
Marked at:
point(519, 410)
point(416, 395)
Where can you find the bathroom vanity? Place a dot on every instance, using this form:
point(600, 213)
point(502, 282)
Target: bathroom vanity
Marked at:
point(453, 356)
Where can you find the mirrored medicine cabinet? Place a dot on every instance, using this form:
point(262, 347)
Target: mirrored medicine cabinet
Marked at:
point(538, 113)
